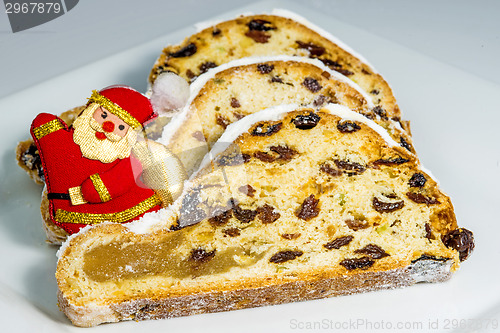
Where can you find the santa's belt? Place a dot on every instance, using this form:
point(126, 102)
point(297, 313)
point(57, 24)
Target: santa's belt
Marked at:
point(63, 216)
point(60, 196)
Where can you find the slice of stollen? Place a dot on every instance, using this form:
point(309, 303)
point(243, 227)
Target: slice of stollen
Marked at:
point(304, 212)
point(231, 91)
point(280, 33)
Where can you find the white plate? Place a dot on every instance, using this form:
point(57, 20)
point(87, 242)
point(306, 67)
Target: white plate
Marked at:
point(454, 121)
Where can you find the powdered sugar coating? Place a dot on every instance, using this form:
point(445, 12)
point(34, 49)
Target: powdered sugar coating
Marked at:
point(159, 219)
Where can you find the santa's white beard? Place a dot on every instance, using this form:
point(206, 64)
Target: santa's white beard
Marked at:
point(106, 151)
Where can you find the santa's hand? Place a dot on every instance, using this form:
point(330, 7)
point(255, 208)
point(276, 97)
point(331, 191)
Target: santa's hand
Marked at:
point(76, 196)
point(45, 124)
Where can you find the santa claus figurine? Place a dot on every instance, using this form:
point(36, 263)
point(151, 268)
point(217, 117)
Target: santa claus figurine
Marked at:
point(90, 171)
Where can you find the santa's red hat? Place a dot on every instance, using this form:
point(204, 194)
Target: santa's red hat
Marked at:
point(130, 105)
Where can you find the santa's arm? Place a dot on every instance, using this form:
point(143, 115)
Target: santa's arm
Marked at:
point(102, 187)
point(45, 124)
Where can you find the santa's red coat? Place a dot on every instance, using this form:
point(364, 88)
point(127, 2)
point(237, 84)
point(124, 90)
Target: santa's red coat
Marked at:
point(64, 167)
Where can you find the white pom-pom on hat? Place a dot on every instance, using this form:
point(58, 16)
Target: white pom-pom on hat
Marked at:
point(169, 92)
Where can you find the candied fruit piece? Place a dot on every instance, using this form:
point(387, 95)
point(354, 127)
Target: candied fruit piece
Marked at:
point(221, 218)
point(336, 66)
point(428, 231)
point(321, 99)
point(216, 32)
point(391, 161)
point(222, 121)
point(243, 215)
point(276, 79)
point(380, 111)
point(357, 224)
point(403, 143)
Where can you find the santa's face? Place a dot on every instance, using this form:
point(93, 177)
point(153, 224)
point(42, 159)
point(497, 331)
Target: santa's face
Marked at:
point(109, 123)
point(102, 135)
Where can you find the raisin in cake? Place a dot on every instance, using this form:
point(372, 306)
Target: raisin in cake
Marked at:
point(285, 33)
point(319, 204)
point(233, 90)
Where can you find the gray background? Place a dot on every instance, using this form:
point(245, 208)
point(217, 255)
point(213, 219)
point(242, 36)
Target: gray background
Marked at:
point(461, 33)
